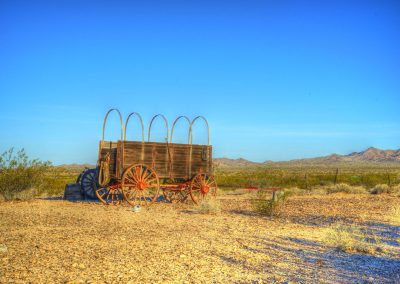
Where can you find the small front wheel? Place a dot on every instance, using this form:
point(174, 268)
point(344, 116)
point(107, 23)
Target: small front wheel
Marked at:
point(202, 185)
point(110, 195)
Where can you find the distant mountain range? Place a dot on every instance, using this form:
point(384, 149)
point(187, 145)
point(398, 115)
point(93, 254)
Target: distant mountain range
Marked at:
point(371, 156)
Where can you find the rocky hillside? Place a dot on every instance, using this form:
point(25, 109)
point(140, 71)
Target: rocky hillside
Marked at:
point(369, 156)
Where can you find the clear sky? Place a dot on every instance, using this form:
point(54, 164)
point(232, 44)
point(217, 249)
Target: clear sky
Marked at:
point(277, 80)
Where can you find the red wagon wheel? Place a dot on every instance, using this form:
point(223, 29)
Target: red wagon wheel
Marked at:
point(201, 186)
point(110, 195)
point(140, 185)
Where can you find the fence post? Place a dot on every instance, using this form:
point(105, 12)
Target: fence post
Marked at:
point(306, 180)
point(274, 196)
point(336, 175)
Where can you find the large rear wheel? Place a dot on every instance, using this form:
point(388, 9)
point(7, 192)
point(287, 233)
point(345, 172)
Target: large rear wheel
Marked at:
point(140, 185)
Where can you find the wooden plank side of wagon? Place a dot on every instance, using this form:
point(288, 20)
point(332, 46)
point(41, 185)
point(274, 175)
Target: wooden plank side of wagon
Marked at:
point(180, 161)
point(201, 159)
point(152, 154)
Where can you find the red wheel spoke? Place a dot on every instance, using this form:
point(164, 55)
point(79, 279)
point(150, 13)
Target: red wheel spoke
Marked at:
point(146, 175)
point(131, 176)
point(131, 179)
point(133, 196)
point(145, 199)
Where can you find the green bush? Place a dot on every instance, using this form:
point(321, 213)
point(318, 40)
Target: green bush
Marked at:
point(20, 178)
point(270, 207)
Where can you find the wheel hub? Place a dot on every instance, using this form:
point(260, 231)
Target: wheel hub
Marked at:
point(141, 185)
point(205, 188)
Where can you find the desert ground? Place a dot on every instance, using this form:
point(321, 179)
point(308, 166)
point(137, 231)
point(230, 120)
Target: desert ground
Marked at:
point(56, 241)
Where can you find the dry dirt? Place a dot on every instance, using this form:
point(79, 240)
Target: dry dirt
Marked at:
point(55, 241)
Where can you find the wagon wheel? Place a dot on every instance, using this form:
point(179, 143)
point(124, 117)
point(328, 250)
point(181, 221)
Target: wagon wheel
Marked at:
point(110, 195)
point(174, 196)
point(140, 185)
point(88, 182)
point(201, 186)
point(78, 180)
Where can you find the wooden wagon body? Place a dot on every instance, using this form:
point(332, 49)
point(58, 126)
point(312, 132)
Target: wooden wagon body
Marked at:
point(169, 160)
point(128, 169)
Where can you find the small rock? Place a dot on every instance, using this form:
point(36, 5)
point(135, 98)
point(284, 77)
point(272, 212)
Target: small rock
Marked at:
point(3, 248)
point(182, 256)
point(81, 266)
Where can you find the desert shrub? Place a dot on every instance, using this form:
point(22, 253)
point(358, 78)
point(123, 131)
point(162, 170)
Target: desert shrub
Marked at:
point(380, 188)
point(270, 207)
point(306, 176)
point(343, 187)
point(320, 190)
point(209, 206)
point(352, 240)
point(20, 177)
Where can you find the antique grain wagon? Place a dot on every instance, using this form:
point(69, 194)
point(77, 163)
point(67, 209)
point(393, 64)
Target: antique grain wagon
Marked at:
point(136, 171)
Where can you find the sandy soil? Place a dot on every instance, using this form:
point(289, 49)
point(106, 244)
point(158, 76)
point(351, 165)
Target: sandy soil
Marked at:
point(56, 241)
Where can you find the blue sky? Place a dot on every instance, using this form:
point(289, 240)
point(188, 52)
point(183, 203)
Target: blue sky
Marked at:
point(277, 80)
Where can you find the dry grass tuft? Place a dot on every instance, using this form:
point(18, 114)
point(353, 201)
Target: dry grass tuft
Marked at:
point(352, 240)
point(343, 187)
point(238, 191)
point(380, 188)
point(209, 206)
point(298, 191)
point(395, 190)
point(394, 213)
